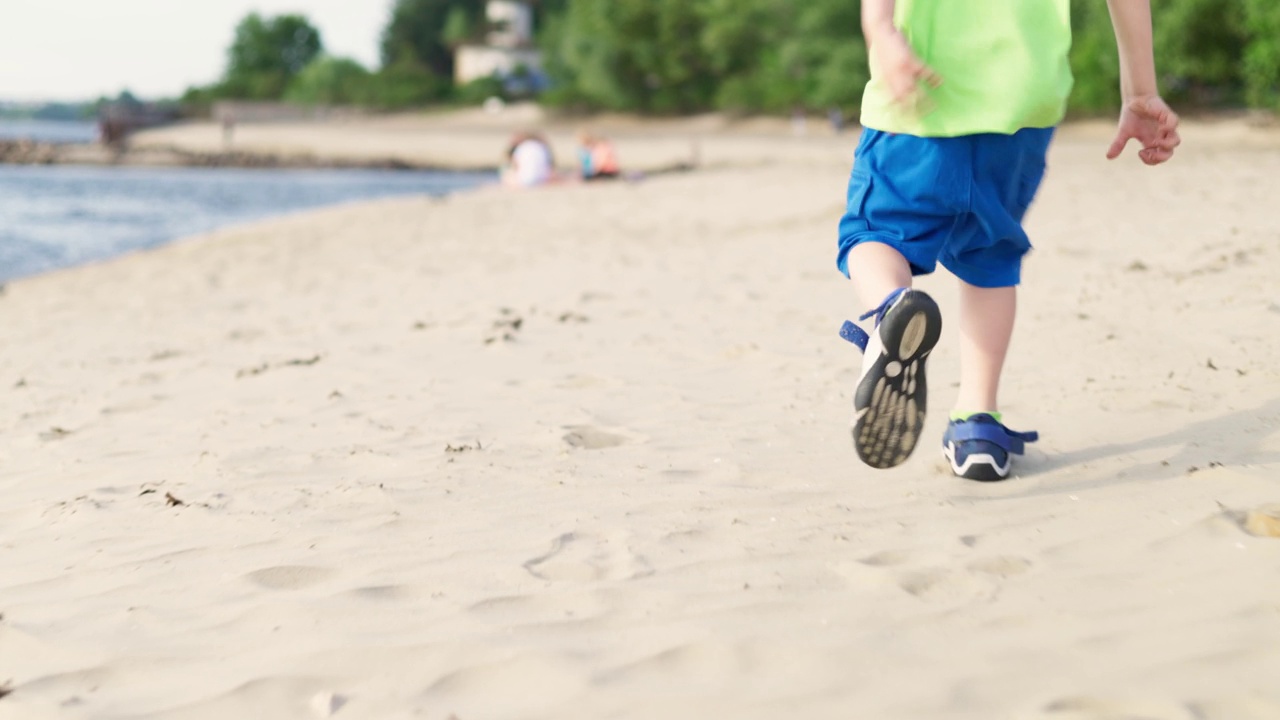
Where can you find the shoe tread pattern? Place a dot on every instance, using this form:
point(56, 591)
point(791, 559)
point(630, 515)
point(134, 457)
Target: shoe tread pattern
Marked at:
point(890, 401)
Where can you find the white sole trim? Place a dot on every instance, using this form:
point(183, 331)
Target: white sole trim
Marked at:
point(949, 452)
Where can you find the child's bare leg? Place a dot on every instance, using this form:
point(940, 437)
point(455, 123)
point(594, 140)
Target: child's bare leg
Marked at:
point(986, 325)
point(877, 270)
point(891, 398)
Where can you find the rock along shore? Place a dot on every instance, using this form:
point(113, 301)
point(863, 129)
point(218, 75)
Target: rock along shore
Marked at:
point(26, 152)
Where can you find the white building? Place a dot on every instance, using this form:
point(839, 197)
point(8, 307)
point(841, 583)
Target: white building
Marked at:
point(509, 44)
point(510, 23)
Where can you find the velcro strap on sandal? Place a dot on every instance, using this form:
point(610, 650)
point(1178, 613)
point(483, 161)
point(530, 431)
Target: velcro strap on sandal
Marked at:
point(1008, 440)
point(855, 335)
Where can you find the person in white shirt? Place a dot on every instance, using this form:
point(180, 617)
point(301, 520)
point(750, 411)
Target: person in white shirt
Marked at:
point(529, 162)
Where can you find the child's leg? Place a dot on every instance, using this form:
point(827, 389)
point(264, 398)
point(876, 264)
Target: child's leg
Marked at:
point(987, 255)
point(976, 443)
point(899, 215)
point(891, 396)
point(986, 326)
point(877, 270)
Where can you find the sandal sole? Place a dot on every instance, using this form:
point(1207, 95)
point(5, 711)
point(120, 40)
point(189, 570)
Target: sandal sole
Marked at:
point(890, 401)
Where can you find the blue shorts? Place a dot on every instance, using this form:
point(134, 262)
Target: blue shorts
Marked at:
point(958, 201)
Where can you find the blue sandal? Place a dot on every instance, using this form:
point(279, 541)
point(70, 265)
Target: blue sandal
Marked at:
point(889, 402)
point(981, 448)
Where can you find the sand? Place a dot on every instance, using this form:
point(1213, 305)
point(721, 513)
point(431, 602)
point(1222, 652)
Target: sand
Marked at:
point(473, 139)
point(584, 453)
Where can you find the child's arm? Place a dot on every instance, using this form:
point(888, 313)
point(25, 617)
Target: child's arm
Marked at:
point(891, 55)
point(1145, 117)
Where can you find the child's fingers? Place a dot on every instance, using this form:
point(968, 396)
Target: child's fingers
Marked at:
point(1155, 109)
point(907, 98)
point(1155, 155)
point(905, 84)
point(1169, 141)
point(928, 76)
point(904, 93)
point(1169, 120)
point(1117, 146)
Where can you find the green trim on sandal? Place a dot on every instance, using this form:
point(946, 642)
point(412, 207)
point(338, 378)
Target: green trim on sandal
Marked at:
point(958, 416)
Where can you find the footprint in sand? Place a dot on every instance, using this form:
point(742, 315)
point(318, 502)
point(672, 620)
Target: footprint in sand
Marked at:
point(950, 583)
point(887, 558)
point(1244, 708)
point(534, 684)
point(289, 577)
point(133, 406)
point(386, 593)
point(585, 437)
point(1004, 566)
point(941, 585)
point(581, 557)
point(55, 433)
point(1262, 522)
point(1093, 708)
point(694, 659)
point(541, 609)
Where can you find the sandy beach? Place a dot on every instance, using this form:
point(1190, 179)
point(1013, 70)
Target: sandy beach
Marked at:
point(583, 453)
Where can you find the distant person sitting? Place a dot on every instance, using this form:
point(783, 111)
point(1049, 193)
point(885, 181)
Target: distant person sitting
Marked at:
point(598, 159)
point(529, 162)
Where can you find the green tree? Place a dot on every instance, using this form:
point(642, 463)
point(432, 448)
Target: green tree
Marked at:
point(1262, 54)
point(459, 28)
point(775, 55)
point(267, 53)
point(743, 41)
point(404, 85)
point(416, 32)
point(1198, 47)
point(330, 81)
point(546, 10)
point(1094, 59)
point(825, 56)
point(632, 55)
point(682, 55)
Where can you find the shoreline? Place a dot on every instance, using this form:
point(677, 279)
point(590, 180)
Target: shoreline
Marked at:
point(473, 140)
point(42, 247)
point(23, 153)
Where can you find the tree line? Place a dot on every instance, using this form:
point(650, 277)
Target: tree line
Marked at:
point(684, 56)
point(283, 58)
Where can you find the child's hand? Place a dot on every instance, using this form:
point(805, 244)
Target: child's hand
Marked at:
point(1148, 120)
point(901, 69)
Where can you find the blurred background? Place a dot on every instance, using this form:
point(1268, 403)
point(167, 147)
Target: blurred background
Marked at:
point(84, 73)
point(652, 56)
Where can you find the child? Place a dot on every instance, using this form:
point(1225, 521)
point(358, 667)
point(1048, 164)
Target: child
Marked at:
point(597, 158)
point(958, 117)
point(529, 161)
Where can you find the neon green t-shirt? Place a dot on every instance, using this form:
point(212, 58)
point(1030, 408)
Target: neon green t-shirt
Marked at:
point(1003, 64)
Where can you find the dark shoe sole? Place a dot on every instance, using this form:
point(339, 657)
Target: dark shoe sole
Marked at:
point(890, 401)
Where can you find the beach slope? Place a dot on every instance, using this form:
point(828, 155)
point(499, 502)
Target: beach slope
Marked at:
point(584, 453)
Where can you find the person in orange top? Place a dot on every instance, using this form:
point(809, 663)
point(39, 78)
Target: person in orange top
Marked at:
point(598, 158)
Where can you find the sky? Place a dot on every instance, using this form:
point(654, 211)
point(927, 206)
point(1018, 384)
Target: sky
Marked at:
point(84, 49)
